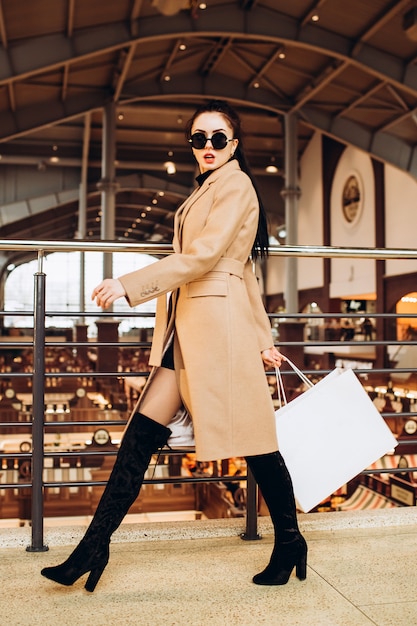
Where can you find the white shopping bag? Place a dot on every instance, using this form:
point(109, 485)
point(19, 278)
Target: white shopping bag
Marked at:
point(329, 434)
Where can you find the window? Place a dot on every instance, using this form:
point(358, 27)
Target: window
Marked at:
point(63, 289)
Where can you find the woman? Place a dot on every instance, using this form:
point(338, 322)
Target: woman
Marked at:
point(208, 352)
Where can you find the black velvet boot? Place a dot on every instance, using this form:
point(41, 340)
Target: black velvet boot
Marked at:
point(143, 437)
point(290, 548)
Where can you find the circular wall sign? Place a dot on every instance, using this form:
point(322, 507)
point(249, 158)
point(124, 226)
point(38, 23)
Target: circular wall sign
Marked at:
point(352, 199)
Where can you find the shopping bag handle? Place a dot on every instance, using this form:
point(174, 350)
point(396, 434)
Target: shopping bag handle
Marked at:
point(282, 398)
point(299, 373)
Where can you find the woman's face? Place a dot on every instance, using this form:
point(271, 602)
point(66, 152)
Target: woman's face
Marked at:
point(207, 157)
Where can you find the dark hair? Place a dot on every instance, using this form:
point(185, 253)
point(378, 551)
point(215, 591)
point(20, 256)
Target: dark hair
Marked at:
point(260, 245)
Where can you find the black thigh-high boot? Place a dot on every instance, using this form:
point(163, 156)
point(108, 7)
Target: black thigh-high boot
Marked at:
point(290, 548)
point(143, 437)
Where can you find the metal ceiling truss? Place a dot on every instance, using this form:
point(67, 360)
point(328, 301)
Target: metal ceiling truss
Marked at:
point(40, 56)
point(47, 53)
point(353, 88)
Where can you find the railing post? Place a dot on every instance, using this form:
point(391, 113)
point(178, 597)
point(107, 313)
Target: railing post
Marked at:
point(38, 387)
point(251, 532)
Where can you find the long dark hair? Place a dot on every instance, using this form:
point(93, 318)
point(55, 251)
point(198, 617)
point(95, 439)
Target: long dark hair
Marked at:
point(260, 245)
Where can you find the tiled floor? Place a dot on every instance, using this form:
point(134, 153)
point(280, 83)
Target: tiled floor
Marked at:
point(362, 571)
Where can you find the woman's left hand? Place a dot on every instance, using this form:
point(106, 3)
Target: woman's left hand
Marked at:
point(272, 357)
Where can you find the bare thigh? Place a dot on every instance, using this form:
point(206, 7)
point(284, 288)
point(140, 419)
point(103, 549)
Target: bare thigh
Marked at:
point(162, 399)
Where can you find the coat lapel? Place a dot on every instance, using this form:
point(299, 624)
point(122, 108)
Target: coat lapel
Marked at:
point(182, 213)
point(184, 209)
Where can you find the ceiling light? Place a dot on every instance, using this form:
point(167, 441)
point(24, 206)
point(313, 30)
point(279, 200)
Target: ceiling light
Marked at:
point(167, 78)
point(202, 6)
point(155, 237)
point(315, 17)
point(256, 85)
point(282, 55)
point(121, 116)
point(170, 167)
point(182, 46)
point(271, 169)
point(170, 7)
point(54, 159)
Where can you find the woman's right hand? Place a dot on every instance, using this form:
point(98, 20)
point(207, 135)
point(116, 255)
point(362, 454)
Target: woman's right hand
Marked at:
point(109, 290)
point(272, 357)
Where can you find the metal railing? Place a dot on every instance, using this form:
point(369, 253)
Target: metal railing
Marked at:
point(39, 375)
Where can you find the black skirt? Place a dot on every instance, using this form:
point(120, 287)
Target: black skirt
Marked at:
point(168, 358)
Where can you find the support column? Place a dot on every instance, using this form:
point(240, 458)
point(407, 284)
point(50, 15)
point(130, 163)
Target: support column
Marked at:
point(292, 331)
point(82, 208)
point(82, 352)
point(291, 193)
point(108, 185)
point(107, 358)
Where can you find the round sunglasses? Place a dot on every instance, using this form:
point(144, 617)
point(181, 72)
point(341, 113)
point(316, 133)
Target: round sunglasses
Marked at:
point(218, 140)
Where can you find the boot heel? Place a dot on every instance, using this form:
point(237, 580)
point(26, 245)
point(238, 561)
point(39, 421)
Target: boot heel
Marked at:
point(301, 568)
point(94, 577)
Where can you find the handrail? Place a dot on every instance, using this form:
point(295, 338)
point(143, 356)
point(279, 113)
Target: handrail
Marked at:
point(341, 252)
point(80, 245)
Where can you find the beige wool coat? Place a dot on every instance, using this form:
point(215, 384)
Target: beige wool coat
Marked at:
point(221, 326)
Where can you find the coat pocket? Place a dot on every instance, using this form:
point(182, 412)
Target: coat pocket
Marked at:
point(207, 287)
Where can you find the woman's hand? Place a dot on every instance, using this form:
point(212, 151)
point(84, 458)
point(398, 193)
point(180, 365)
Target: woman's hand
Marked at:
point(272, 358)
point(107, 292)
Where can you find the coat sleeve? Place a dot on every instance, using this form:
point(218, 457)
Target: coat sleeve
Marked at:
point(262, 324)
point(234, 201)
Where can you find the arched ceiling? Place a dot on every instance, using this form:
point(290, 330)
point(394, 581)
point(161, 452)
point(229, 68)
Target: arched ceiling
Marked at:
point(347, 69)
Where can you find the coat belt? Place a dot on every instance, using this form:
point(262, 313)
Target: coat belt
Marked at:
point(229, 266)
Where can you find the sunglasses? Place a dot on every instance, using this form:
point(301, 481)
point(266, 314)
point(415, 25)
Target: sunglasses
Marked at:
point(219, 141)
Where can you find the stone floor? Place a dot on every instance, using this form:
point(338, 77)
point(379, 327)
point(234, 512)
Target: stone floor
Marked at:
point(361, 571)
